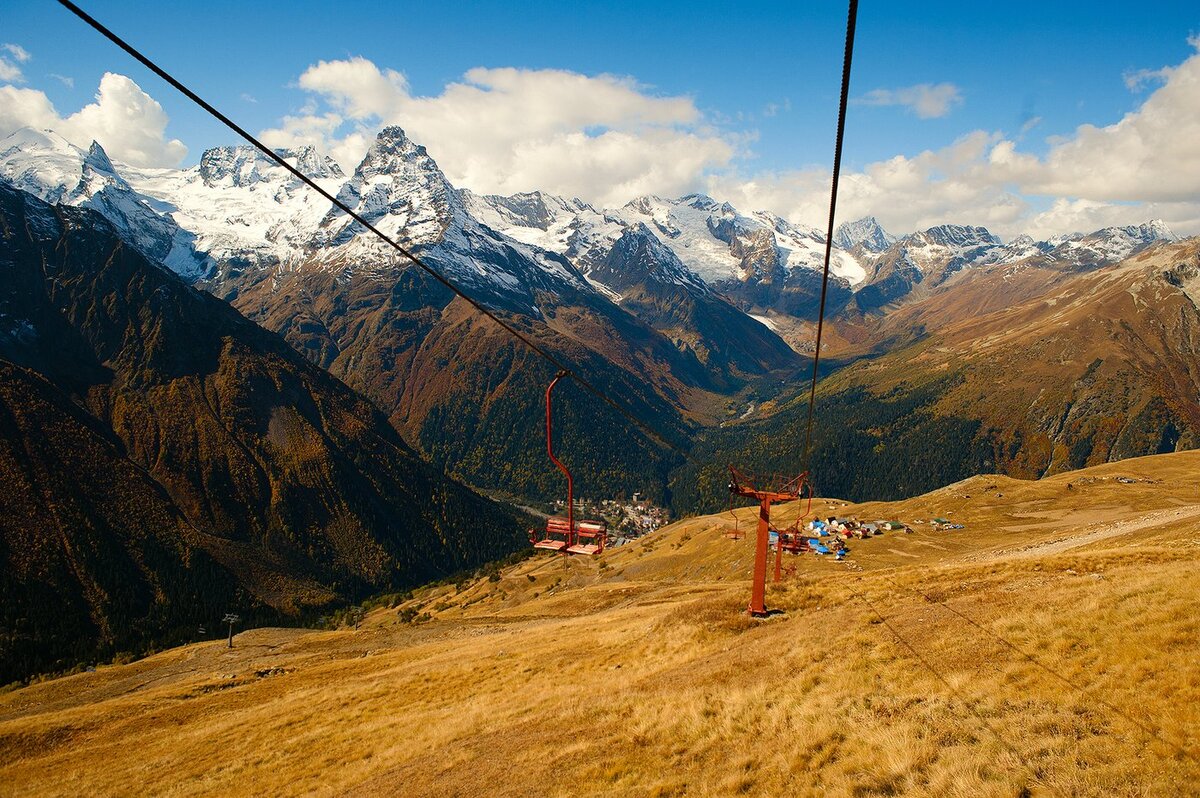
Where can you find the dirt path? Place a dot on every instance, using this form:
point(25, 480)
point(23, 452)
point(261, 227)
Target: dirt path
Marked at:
point(1099, 532)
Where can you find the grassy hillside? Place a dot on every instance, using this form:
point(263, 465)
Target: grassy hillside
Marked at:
point(639, 674)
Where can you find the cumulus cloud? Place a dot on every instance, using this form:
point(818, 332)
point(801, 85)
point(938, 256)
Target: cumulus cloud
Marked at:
point(128, 123)
point(505, 130)
point(19, 53)
point(906, 193)
point(926, 100)
point(13, 55)
point(1143, 166)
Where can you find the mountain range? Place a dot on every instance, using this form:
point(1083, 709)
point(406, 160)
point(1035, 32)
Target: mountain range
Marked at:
point(216, 390)
point(686, 308)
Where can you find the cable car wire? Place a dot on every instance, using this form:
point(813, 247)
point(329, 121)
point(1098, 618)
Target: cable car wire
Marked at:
point(1081, 689)
point(937, 674)
point(848, 55)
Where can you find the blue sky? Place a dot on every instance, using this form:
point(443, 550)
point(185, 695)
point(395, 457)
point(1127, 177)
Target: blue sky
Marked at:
point(760, 81)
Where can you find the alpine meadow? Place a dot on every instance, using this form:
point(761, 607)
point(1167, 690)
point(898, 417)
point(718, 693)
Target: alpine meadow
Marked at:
point(589, 400)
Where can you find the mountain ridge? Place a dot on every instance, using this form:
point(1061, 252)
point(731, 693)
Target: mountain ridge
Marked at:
point(289, 490)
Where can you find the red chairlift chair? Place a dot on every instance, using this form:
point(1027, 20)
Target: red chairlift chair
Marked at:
point(566, 535)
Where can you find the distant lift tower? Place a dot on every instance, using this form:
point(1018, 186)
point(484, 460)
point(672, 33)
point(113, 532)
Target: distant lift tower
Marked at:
point(765, 492)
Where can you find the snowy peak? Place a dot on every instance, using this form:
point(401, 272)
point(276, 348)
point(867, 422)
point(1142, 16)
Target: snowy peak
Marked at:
point(534, 209)
point(865, 231)
point(56, 171)
point(394, 153)
point(398, 189)
point(311, 163)
point(236, 166)
point(42, 163)
point(954, 236)
point(1146, 233)
point(1019, 248)
point(638, 256)
point(97, 160)
point(244, 166)
point(1111, 244)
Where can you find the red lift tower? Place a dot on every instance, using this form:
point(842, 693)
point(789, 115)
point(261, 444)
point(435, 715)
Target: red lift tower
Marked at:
point(765, 492)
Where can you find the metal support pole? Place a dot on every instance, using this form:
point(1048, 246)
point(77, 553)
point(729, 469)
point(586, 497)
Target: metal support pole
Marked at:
point(571, 531)
point(778, 556)
point(758, 592)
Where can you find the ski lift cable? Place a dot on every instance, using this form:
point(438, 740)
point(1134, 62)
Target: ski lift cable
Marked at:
point(848, 54)
point(929, 666)
point(404, 251)
point(1014, 648)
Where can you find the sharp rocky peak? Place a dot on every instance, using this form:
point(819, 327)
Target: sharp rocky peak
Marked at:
point(955, 236)
point(98, 159)
point(241, 165)
point(392, 153)
point(311, 163)
point(866, 231)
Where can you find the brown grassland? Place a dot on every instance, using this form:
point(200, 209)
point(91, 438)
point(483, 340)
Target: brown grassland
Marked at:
point(638, 673)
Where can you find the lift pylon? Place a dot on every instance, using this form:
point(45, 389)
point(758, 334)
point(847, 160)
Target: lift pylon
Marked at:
point(765, 492)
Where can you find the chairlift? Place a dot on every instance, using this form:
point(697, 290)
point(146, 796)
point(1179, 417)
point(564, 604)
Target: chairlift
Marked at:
point(566, 535)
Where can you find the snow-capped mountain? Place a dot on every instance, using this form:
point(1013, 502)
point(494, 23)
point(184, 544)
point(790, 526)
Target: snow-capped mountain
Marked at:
point(1110, 245)
point(238, 211)
point(866, 233)
point(931, 257)
point(714, 240)
point(926, 258)
point(46, 165)
point(639, 256)
point(760, 260)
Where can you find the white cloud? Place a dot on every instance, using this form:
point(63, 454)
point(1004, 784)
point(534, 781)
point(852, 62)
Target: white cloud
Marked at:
point(773, 109)
point(1142, 167)
point(1138, 79)
point(603, 138)
point(1152, 154)
point(19, 53)
point(10, 72)
point(927, 100)
point(607, 139)
point(65, 80)
point(952, 184)
point(128, 123)
point(15, 54)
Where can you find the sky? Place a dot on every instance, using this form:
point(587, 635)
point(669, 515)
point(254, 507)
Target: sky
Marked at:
point(1024, 117)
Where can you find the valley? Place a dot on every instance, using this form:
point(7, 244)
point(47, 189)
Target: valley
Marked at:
point(445, 400)
point(638, 672)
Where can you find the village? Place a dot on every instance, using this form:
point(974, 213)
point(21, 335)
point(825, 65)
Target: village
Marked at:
point(627, 519)
point(830, 535)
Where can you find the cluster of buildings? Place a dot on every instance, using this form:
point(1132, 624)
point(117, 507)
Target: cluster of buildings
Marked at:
point(627, 519)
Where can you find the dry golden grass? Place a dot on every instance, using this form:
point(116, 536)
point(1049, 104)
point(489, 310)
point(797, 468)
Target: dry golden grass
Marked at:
point(639, 674)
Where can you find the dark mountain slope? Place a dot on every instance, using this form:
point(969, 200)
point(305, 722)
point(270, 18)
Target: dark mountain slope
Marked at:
point(470, 396)
point(96, 557)
point(656, 286)
point(291, 477)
